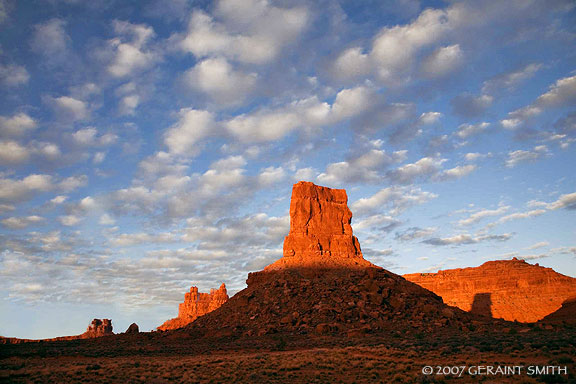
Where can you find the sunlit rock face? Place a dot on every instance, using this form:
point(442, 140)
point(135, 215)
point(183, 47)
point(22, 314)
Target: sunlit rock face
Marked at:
point(320, 231)
point(196, 304)
point(98, 328)
point(505, 289)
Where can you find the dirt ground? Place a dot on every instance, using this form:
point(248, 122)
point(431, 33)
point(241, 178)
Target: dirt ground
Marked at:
point(379, 358)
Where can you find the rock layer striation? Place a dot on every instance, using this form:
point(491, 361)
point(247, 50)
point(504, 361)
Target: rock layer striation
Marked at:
point(196, 304)
point(505, 289)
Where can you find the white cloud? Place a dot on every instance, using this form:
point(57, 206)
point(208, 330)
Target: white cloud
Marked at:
point(219, 80)
point(477, 216)
point(14, 190)
point(366, 167)
point(456, 172)
point(16, 125)
point(397, 199)
point(415, 233)
point(12, 75)
point(425, 167)
point(511, 79)
point(21, 222)
point(541, 244)
point(12, 153)
point(183, 138)
point(68, 108)
point(129, 49)
point(474, 156)
point(443, 61)
point(271, 175)
point(561, 93)
point(467, 239)
point(430, 117)
point(521, 156)
point(566, 201)
point(131, 239)
point(50, 39)
point(351, 102)
point(106, 219)
point(88, 137)
point(69, 220)
point(467, 130)
point(259, 41)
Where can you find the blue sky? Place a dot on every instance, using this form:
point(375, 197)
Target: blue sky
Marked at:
point(146, 146)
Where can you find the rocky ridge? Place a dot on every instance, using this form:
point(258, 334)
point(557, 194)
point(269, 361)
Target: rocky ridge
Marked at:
point(196, 304)
point(505, 289)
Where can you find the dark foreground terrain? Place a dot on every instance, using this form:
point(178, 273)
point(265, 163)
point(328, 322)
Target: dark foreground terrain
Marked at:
point(394, 357)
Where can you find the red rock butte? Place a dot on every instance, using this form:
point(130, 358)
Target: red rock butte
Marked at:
point(196, 304)
point(506, 289)
point(320, 231)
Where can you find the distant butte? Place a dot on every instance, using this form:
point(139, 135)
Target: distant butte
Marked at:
point(506, 289)
point(196, 304)
point(320, 231)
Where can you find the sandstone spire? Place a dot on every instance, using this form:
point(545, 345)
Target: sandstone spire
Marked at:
point(320, 231)
point(195, 305)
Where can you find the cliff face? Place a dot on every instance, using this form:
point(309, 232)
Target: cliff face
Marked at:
point(506, 289)
point(196, 304)
point(320, 230)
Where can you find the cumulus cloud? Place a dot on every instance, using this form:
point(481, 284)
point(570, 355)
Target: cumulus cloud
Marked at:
point(88, 137)
point(394, 49)
point(220, 81)
point(69, 109)
point(129, 51)
point(475, 156)
point(16, 125)
point(183, 138)
point(423, 168)
point(21, 222)
point(396, 199)
point(17, 190)
point(510, 80)
point(367, 167)
point(566, 201)
point(467, 130)
point(521, 156)
point(12, 153)
point(131, 239)
point(12, 75)
point(414, 233)
point(51, 40)
point(258, 41)
point(466, 239)
point(443, 61)
point(561, 93)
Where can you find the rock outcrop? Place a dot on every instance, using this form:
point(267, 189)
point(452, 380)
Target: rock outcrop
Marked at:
point(320, 231)
point(323, 285)
point(505, 289)
point(98, 328)
point(133, 328)
point(196, 304)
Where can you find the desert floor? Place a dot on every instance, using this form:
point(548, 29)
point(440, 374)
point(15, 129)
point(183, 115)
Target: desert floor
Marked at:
point(398, 357)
